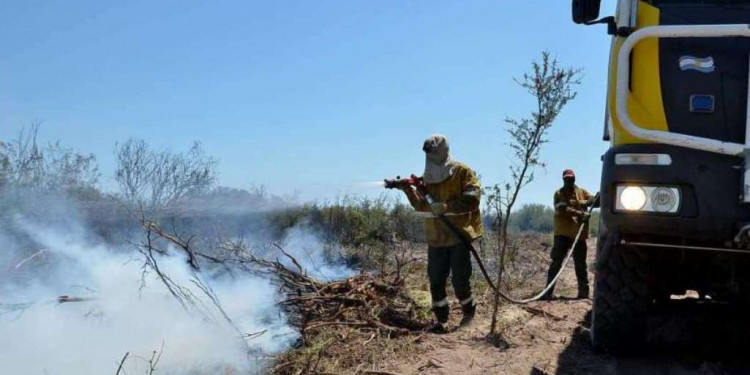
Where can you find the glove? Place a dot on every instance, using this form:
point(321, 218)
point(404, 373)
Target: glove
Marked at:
point(439, 208)
point(595, 201)
point(585, 216)
point(577, 205)
point(590, 201)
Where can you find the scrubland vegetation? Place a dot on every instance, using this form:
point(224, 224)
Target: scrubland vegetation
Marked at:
point(168, 204)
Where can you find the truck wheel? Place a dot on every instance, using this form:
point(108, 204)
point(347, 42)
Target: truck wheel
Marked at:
point(622, 298)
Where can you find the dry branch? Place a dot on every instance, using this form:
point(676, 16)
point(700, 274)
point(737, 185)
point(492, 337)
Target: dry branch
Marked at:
point(542, 312)
point(122, 362)
point(30, 258)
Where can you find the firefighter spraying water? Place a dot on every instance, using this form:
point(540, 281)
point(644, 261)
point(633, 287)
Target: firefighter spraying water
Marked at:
point(450, 191)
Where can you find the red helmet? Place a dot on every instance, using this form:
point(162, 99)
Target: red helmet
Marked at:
point(568, 173)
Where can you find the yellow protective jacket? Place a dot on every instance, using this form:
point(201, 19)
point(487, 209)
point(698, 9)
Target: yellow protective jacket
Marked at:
point(569, 206)
point(461, 192)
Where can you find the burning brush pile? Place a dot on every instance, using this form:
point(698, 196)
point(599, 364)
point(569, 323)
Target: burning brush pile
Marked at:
point(337, 318)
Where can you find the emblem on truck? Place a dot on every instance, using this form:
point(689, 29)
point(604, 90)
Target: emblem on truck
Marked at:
point(703, 65)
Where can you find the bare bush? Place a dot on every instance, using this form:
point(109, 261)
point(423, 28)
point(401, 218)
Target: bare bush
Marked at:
point(26, 164)
point(154, 180)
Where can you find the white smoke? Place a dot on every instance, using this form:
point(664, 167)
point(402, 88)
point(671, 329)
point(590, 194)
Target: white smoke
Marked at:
point(38, 335)
point(310, 251)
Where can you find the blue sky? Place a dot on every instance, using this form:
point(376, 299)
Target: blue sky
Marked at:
point(307, 96)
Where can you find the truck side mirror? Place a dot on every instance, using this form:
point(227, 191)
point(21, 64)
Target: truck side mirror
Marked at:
point(586, 10)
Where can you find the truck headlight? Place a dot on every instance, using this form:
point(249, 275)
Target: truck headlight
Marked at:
point(663, 199)
point(635, 198)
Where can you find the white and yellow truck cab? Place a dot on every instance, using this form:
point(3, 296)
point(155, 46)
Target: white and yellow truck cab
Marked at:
point(675, 189)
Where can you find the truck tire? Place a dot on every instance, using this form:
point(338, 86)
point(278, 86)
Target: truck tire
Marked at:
point(622, 298)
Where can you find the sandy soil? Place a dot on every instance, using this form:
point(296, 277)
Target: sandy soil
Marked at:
point(552, 338)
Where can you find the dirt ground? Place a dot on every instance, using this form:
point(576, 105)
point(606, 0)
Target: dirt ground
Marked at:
point(686, 338)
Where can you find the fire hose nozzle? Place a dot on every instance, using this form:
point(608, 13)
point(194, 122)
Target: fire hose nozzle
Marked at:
point(399, 183)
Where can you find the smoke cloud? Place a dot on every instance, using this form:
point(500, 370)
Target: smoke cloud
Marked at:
point(124, 308)
point(315, 256)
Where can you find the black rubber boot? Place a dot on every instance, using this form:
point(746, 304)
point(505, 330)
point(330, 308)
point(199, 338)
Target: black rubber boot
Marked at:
point(438, 328)
point(583, 293)
point(547, 296)
point(469, 311)
point(441, 315)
